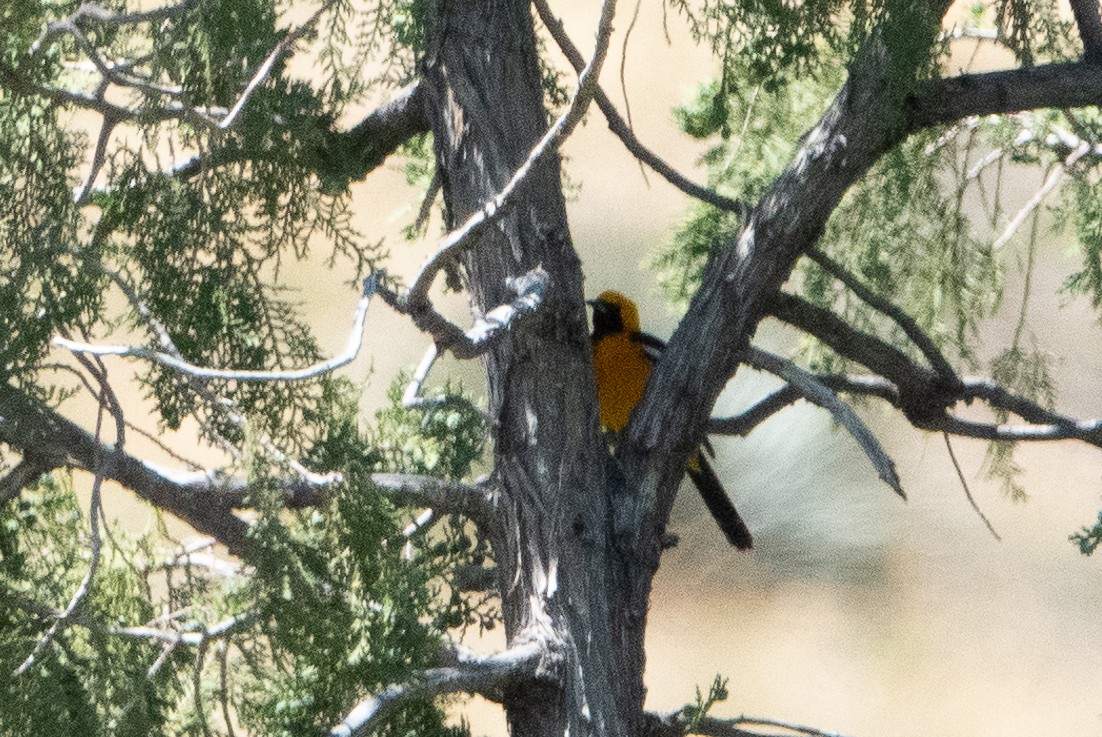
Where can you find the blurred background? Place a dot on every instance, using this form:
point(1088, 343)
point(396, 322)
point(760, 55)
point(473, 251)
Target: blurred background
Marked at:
point(857, 613)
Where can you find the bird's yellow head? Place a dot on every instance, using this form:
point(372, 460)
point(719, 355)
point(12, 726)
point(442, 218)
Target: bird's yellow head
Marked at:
point(613, 312)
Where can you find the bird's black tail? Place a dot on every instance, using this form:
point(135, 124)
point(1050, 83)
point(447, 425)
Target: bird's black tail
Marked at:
point(718, 503)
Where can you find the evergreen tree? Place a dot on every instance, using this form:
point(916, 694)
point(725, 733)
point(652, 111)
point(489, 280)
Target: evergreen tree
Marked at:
point(842, 148)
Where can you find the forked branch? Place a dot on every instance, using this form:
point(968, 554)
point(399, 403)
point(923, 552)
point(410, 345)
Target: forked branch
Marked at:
point(818, 393)
point(469, 675)
point(623, 131)
point(175, 362)
point(530, 289)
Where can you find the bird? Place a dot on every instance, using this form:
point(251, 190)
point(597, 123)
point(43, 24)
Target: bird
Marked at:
point(623, 358)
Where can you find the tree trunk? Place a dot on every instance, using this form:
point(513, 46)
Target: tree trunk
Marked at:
point(556, 558)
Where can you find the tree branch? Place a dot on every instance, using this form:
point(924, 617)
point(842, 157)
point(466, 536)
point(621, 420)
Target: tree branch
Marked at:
point(907, 323)
point(1054, 177)
point(967, 491)
point(26, 423)
point(1062, 85)
point(530, 289)
point(29, 469)
point(352, 349)
point(384, 130)
point(624, 132)
point(471, 675)
point(744, 423)
point(922, 392)
point(818, 393)
point(867, 118)
point(352, 154)
point(109, 17)
point(1089, 22)
point(679, 722)
point(473, 501)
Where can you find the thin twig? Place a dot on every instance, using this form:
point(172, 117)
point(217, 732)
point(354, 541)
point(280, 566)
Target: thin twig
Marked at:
point(623, 131)
point(623, 77)
point(907, 323)
point(93, 565)
point(265, 68)
point(1039, 196)
point(352, 349)
point(964, 485)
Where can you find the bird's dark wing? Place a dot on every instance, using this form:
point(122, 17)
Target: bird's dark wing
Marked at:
point(652, 345)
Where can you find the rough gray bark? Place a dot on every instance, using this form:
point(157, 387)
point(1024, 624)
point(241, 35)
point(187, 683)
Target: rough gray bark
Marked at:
point(555, 554)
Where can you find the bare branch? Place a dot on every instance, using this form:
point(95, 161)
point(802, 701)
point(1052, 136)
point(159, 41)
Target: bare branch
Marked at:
point(412, 399)
point(1000, 397)
point(222, 629)
point(1038, 197)
point(1061, 85)
point(964, 485)
point(27, 423)
point(1089, 431)
point(494, 208)
point(1090, 29)
point(680, 722)
point(907, 323)
point(473, 675)
point(817, 393)
point(744, 423)
point(529, 288)
point(473, 501)
point(352, 349)
point(921, 392)
point(623, 130)
point(923, 396)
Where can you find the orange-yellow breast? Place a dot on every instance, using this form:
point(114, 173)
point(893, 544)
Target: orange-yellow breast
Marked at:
point(622, 370)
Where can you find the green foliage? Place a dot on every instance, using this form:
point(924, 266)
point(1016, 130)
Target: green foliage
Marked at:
point(905, 234)
point(1034, 30)
point(1029, 373)
point(755, 133)
point(334, 609)
point(338, 612)
point(765, 41)
point(900, 229)
point(45, 288)
point(1089, 538)
point(717, 692)
point(443, 440)
point(88, 681)
point(215, 49)
point(1083, 208)
point(385, 35)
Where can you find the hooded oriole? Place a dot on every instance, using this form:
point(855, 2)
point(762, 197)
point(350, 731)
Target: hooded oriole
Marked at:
point(623, 357)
